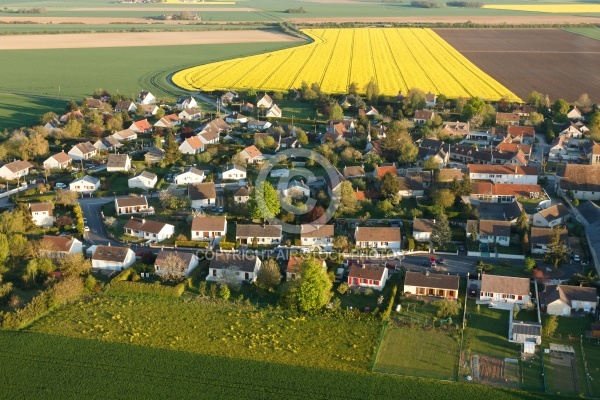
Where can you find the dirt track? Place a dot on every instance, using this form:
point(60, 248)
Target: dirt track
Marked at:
point(88, 40)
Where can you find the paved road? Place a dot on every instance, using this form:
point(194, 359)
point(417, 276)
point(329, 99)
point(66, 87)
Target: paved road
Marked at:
point(91, 207)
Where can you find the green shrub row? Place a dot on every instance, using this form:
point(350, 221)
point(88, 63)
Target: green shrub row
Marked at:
point(156, 289)
point(191, 243)
point(385, 315)
point(63, 291)
point(226, 245)
point(5, 292)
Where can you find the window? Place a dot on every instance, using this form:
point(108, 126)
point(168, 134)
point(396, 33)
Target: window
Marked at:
point(376, 283)
point(214, 272)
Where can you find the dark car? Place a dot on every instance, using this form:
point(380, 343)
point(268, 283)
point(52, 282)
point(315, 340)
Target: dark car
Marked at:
point(461, 248)
point(440, 261)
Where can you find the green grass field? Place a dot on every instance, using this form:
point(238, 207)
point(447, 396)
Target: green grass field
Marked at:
point(593, 33)
point(35, 366)
point(219, 330)
point(419, 353)
point(77, 72)
point(21, 110)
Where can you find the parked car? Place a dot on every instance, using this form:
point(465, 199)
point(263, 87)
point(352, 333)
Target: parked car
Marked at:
point(440, 261)
point(85, 221)
point(221, 209)
point(60, 185)
point(213, 208)
point(461, 248)
point(576, 258)
point(86, 228)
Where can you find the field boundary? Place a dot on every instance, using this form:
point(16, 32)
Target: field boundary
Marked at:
point(385, 325)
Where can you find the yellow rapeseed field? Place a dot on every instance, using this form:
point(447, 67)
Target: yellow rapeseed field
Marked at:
point(397, 58)
point(549, 8)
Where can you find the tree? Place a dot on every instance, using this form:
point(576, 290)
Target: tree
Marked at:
point(312, 290)
point(302, 137)
point(264, 202)
point(443, 198)
point(389, 185)
point(268, 276)
point(172, 153)
point(441, 233)
point(172, 268)
point(347, 198)
point(466, 188)
point(550, 326)
point(350, 154)
point(66, 197)
point(560, 106)
point(73, 128)
point(224, 292)
point(594, 121)
point(415, 99)
point(431, 164)
point(534, 98)
point(336, 112)
point(316, 214)
point(48, 117)
point(353, 88)
point(523, 223)
point(159, 113)
point(474, 106)
point(238, 159)
point(74, 265)
point(18, 247)
point(4, 249)
point(448, 308)
point(529, 264)
point(535, 118)
point(557, 249)
point(372, 91)
point(37, 266)
point(340, 242)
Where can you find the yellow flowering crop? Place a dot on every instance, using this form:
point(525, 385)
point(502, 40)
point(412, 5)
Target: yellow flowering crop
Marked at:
point(397, 58)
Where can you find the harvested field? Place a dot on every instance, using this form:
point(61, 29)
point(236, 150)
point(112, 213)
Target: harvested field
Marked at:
point(138, 39)
point(541, 19)
point(551, 61)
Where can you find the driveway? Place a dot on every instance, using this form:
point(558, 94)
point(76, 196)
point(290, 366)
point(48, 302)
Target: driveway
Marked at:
point(91, 207)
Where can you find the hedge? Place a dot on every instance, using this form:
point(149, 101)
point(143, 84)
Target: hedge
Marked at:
point(137, 287)
point(191, 243)
point(385, 315)
point(227, 245)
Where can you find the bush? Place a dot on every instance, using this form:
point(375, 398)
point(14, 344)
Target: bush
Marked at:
point(411, 244)
point(191, 243)
point(467, 4)
point(136, 287)
point(343, 288)
point(5, 292)
point(34, 309)
point(226, 245)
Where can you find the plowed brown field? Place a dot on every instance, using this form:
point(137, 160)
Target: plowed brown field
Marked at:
point(551, 61)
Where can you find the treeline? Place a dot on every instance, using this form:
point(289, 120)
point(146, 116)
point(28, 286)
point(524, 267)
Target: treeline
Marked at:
point(466, 4)
point(424, 4)
point(299, 10)
point(35, 10)
point(467, 24)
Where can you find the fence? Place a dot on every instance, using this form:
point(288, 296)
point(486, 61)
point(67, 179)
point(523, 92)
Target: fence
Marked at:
point(585, 367)
point(385, 324)
point(13, 191)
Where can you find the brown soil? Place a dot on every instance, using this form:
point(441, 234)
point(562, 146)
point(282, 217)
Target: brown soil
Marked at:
point(480, 19)
point(87, 40)
point(490, 369)
point(550, 61)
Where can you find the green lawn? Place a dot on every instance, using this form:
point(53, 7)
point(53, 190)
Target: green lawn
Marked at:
point(417, 352)
point(593, 33)
point(487, 332)
point(592, 357)
point(36, 366)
